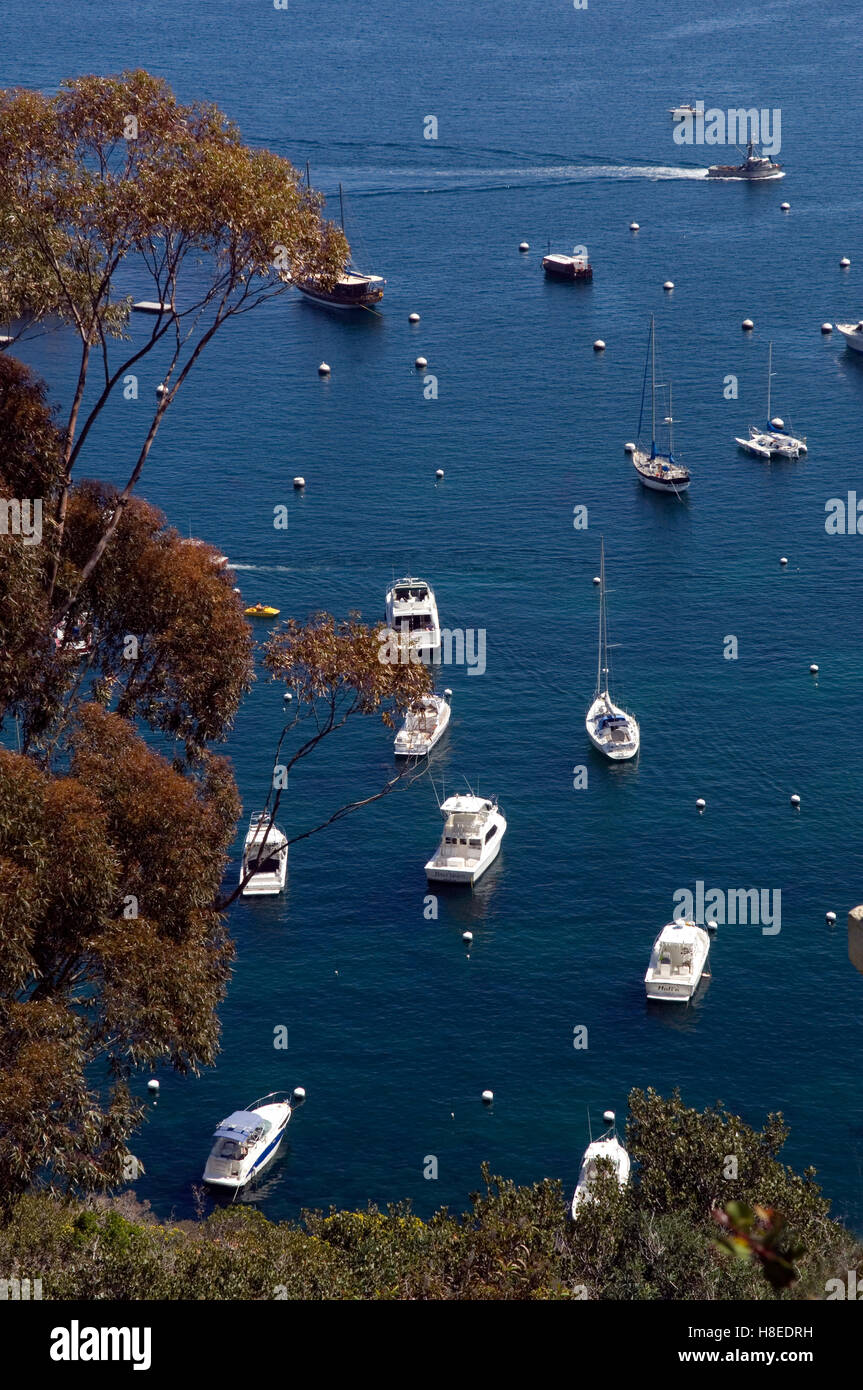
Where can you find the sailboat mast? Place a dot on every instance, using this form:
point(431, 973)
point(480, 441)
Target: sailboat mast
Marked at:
point(670, 425)
point(341, 207)
point(652, 385)
point(769, 375)
point(601, 616)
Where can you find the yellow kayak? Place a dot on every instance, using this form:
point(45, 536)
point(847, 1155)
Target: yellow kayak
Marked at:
point(262, 610)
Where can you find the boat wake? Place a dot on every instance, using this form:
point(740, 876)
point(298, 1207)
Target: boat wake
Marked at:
point(263, 569)
point(493, 180)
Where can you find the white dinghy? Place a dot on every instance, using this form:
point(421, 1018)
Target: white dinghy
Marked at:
point(610, 729)
point(607, 1147)
point(247, 1141)
point(423, 726)
point(472, 835)
point(677, 961)
point(265, 855)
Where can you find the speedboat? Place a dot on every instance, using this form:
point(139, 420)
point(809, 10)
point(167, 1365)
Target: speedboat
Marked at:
point(657, 468)
point(609, 1148)
point(265, 857)
point(411, 612)
point(677, 961)
point(754, 166)
point(853, 335)
point(610, 729)
point(423, 726)
point(560, 267)
point(262, 610)
point(472, 834)
point(774, 441)
point(247, 1141)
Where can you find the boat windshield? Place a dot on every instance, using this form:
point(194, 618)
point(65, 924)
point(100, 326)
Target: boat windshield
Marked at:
point(229, 1148)
point(404, 592)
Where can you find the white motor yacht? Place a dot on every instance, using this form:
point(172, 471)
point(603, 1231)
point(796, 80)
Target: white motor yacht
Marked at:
point(610, 729)
point(411, 612)
point(853, 335)
point(247, 1141)
point(423, 726)
point(607, 1147)
point(472, 834)
point(677, 961)
point(265, 854)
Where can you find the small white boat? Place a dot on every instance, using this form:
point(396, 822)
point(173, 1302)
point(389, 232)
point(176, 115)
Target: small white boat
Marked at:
point(607, 1147)
point(76, 640)
point(424, 726)
point(472, 835)
point(853, 335)
point(774, 441)
point(247, 1141)
point(610, 729)
point(657, 469)
point(411, 612)
point(152, 306)
point(685, 109)
point(677, 961)
point(265, 856)
point(561, 267)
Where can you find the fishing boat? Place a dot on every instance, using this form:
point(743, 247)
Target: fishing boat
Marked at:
point(265, 857)
point(247, 1141)
point(685, 109)
point(755, 166)
point(352, 289)
point(677, 961)
point(610, 729)
point(473, 830)
point(423, 726)
point(411, 613)
point(773, 441)
point(609, 1148)
point(657, 469)
point(853, 335)
point(261, 610)
point(560, 267)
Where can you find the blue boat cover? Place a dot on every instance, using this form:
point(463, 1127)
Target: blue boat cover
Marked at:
point(239, 1125)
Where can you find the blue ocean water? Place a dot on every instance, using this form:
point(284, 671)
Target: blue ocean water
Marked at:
point(552, 125)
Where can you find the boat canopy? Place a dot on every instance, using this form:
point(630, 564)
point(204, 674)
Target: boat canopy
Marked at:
point(240, 1125)
point(612, 721)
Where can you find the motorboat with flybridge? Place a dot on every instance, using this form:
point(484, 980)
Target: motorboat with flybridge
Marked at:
point(774, 440)
point(352, 289)
point(657, 468)
point(853, 335)
point(411, 613)
point(424, 726)
point(754, 167)
point(608, 1149)
point(265, 856)
point(474, 827)
point(247, 1141)
point(677, 961)
point(610, 729)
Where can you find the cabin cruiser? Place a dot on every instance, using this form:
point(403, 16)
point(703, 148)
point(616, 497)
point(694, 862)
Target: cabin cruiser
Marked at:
point(754, 166)
point(607, 1147)
point(560, 267)
point(853, 335)
point(247, 1141)
point(423, 726)
point(472, 834)
point(411, 612)
point(657, 468)
point(677, 961)
point(265, 856)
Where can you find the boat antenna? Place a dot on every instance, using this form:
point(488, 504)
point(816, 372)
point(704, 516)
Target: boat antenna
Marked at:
point(644, 384)
point(341, 207)
point(589, 1130)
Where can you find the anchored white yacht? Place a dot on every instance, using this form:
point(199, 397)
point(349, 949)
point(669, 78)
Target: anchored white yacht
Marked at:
point(657, 468)
point(472, 834)
point(412, 614)
point(685, 109)
point(247, 1141)
point(424, 726)
point(610, 729)
point(774, 441)
point(609, 1147)
point(266, 854)
point(853, 335)
point(677, 961)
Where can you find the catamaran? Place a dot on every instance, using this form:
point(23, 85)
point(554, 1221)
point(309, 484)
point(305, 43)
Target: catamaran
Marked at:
point(247, 1141)
point(607, 1147)
point(610, 729)
point(265, 856)
point(657, 469)
point(352, 289)
point(774, 441)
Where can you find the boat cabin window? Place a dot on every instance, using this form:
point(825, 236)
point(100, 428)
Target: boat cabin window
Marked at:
point(491, 834)
point(270, 865)
point(474, 844)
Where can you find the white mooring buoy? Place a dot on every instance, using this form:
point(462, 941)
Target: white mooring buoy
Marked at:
point(608, 1117)
point(634, 227)
point(299, 482)
point(783, 561)
point(438, 472)
point(795, 800)
point(700, 803)
point(830, 918)
point(596, 579)
point(669, 285)
point(599, 345)
point(299, 1093)
point(413, 318)
point(161, 389)
point(785, 207)
point(813, 669)
point(629, 448)
point(747, 325)
point(826, 328)
point(488, 1097)
point(523, 246)
point(152, 1084)
point(845, 262)
point(467, 936)
point(420, 364)
point(447, 693)
point(324, 369)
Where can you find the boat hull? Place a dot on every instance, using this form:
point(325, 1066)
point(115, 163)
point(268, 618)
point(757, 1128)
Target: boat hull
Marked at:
point(616, 752)
point(466, 872)
point(677, 988)
point(853, 337)
point(418, 745)
point(257, 1162)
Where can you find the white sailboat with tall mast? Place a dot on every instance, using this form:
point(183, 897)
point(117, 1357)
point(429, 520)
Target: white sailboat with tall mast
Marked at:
point(774, 441)
point(657, 468)
point(610, 729)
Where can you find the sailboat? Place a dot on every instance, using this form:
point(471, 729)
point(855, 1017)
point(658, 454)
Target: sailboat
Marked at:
point(352, 290)
point(610, 729)
point(657, 469)
point(774, 441)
